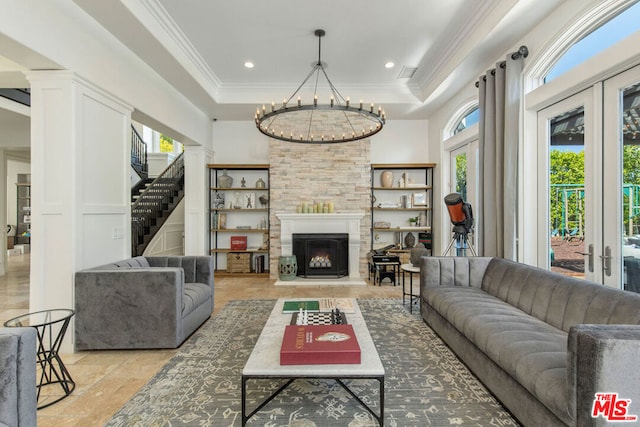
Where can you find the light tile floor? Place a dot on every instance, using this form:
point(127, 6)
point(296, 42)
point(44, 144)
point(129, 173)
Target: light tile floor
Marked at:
point(105, 380)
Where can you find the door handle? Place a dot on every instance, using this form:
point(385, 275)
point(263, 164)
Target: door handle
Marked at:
point(606, 261)
point(590, 254)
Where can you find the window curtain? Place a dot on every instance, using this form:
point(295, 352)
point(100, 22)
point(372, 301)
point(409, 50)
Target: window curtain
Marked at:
point(499, 128)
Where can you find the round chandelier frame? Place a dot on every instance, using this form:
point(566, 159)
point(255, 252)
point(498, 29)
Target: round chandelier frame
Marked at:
point(315, 123)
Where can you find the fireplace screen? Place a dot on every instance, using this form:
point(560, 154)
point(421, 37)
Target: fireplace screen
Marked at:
point(321, 254)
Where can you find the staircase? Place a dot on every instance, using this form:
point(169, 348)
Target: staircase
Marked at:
point(153, 202)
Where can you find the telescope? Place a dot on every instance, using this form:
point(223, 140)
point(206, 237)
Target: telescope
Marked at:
point(461, 216)
point(460, 212)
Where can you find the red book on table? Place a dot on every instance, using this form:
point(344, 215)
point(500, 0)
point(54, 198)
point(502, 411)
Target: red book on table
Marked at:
point(319, 345)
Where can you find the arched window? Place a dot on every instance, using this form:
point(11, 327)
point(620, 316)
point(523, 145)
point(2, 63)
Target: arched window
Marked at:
point(469, 119)
point(609, 33)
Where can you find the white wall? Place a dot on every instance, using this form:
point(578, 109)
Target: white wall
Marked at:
point(401, 141)
point(239, 142)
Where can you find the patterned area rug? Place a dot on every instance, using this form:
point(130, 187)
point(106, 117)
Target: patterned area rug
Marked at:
point(425, 384)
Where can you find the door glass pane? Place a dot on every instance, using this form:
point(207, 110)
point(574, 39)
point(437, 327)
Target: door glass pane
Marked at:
point(460, 175)
point(631, 186)
point(566, 193)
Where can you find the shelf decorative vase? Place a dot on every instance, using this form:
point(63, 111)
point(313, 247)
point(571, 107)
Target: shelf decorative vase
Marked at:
point(417, 253)
point(260, 183)
point(224, 180)
point(386, 179)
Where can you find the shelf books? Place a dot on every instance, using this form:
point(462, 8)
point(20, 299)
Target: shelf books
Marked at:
point(319, 345)
point(295, 306)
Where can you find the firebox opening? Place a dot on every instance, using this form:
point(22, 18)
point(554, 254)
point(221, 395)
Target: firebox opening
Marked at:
point(322, 254)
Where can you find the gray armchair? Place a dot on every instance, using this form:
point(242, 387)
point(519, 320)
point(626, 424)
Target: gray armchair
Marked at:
point(142, 302)
point(18, 397)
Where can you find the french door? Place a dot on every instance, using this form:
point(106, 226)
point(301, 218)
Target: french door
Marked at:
point(590, 147)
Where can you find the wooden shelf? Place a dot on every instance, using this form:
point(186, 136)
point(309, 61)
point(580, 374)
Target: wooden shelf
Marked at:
point(239, 210)
point(252, 176)
point(239, 189)
point(402, 209)
point(247, 166)
point(247, 251)
point(225, 273)
point(240, 230)
point(421, 177)
point(402, 165)
point(410, 189)
point(403, 229)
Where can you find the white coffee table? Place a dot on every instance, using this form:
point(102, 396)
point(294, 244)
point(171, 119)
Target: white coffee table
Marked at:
point(264, 361)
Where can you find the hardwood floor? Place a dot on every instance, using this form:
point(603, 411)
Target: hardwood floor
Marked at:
point(105, 380)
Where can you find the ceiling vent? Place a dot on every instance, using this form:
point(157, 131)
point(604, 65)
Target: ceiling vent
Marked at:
point(407, 72)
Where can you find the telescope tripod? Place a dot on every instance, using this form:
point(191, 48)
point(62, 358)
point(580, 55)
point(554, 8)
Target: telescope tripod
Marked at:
point(460, 234)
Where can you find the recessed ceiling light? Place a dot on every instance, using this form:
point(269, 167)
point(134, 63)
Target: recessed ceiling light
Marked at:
point(389, 65)
point(248, 64)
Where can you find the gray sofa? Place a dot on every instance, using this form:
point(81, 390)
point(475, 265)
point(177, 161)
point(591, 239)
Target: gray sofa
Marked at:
point(18, 397)
point(542, 343)
point(142, 302)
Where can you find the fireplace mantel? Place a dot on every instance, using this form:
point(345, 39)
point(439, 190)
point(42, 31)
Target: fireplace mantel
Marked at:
point(339, 222)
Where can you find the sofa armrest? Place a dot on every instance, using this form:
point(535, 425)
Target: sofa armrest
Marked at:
point(602, 359)
point(18, 377)
point(197, 269)
point(452, 271)
point(128, 307)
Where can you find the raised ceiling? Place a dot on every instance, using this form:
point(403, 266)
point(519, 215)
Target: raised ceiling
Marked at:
point(200, 47)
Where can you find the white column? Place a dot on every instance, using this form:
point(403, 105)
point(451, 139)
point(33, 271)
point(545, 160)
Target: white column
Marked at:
point(80, 189)
point(196, 197)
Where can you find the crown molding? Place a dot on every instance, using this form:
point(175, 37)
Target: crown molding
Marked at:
point(155, 18)
point(426, 76)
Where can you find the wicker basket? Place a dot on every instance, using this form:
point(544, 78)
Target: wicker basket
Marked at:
point(238, 262)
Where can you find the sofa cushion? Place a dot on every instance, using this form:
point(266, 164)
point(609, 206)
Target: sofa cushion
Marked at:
point(530, 350)
point(194, 295)
point(135, 262)
point(559, 300)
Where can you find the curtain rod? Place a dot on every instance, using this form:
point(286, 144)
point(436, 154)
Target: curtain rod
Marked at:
point(522, 52)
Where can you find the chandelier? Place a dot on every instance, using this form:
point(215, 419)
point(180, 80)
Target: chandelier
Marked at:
point(316, 123)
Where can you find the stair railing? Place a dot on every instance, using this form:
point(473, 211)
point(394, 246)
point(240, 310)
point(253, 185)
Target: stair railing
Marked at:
point(139, 154)
point(153, 206)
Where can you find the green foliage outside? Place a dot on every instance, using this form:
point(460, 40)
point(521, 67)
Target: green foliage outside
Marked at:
point(566, 171)
point(166, 144)
point(461, 175)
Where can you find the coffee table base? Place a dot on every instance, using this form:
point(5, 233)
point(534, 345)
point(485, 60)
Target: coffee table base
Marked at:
point(339, 380)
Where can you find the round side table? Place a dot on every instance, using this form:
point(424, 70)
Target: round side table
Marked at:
point(51, 325)
point(409, 268)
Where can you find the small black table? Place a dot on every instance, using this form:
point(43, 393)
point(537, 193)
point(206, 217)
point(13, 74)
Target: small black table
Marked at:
point(51, 325)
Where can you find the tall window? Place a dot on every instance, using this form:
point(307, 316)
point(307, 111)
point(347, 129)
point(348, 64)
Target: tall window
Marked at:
point(461, 159)
point(611, 32)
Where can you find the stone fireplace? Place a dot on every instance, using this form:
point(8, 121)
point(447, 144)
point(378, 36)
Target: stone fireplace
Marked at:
point(321, 173)
point(346, 223)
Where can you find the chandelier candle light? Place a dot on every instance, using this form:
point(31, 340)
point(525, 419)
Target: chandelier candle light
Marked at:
point(316, 123)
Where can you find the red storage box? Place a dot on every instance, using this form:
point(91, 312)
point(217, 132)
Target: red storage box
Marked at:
point(319, 345)
point(239, 243)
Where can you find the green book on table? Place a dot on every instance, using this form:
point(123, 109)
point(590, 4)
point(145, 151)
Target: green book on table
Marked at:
point(295, 306)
